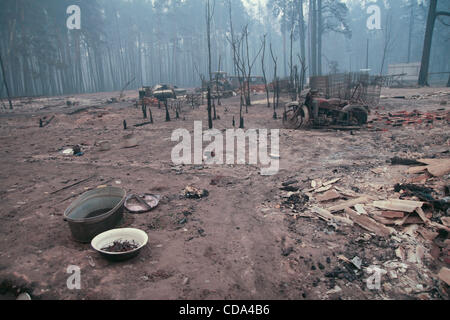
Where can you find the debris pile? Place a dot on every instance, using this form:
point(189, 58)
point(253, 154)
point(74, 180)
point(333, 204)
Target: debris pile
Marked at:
point(191, 192)
point(415, 216)
point(404, 118)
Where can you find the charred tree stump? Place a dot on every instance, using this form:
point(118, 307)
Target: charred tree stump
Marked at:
point(241, 123)
point(144, 111)
point(167, 111)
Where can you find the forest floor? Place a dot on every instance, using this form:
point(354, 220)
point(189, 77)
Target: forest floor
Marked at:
point(246, 239)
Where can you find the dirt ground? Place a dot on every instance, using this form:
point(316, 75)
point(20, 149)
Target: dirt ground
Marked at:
point(242, 241)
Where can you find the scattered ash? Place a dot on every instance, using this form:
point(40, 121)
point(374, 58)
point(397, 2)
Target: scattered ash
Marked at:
point(296, 201)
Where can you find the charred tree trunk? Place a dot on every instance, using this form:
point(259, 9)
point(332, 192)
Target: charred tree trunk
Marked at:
point(431, 20)
point(5, 82)
point(208, 33)
point(167, 111)
point(274, 84)
point(319, 37)
point(210, 122)
point(266, 87)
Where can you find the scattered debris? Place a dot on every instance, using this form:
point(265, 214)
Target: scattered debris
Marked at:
point(444, 275)
point(368, 223)
point(404, 118)
point(296, 201)
point(191, 192)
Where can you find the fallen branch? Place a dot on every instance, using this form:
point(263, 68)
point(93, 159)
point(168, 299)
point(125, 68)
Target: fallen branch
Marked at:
point(75, 195)
point(143, 124)
point(72, 185)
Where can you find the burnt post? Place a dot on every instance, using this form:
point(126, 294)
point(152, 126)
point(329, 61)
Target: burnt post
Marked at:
point(210, 123)
point(167, 111)
point(144, 110)
point(241, 124)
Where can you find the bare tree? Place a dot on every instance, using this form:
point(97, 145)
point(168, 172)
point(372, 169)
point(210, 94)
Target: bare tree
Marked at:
point(388, 42)
point(276, 91)
point(264, 70)
point(217, 89)
point(236, 44)
point(249, 65)
point(209, 15)
point(302, 73)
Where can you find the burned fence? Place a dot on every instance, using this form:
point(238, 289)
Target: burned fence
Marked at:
point(355, 86)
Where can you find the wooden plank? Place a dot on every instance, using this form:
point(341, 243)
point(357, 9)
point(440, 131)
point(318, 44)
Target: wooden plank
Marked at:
point(327, 216)
point(368, 223)
point(331, 181)
point(444, 275)
point(398, 205)
point(350, 203)
point(360, 208)
point(429, 161)
point(413, 170)
point(392, 214)
point(439, 169)
point(329, 195)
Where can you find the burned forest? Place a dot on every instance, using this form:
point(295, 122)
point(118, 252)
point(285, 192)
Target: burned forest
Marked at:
point(240, 151)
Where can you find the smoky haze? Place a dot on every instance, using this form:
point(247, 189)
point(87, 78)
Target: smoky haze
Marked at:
point(46, 51)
